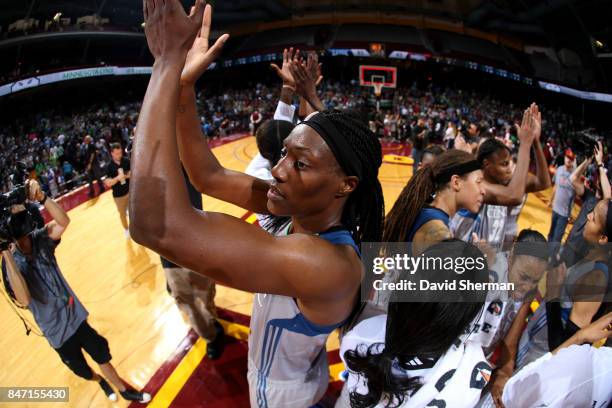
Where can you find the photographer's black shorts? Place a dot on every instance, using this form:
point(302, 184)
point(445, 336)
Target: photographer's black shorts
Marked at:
point(85, 338)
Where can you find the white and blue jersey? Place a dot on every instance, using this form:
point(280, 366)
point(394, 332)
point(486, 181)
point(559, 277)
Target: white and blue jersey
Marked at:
point(287, 364)
point(494, 224)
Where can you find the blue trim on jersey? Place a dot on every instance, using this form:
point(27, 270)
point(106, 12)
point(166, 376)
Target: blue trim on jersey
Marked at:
point(341, 237)
point(467, 214)
point(602, 266)
point(298, 324)
point(425, 215)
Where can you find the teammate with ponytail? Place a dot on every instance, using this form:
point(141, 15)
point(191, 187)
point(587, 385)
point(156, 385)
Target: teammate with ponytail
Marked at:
point(436, 192)
point(415, 355)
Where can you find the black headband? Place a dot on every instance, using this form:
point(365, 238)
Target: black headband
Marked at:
point(344, 153)
point(538, 250)
point(609, 221)
point(459, 170)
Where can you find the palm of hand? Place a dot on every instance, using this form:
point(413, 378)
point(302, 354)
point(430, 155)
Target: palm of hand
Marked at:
point(286, 74)
point(169, 30)
point(196, 61)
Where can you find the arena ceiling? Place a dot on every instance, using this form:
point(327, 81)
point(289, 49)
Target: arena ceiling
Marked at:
point(582, 26)
point(556, 23)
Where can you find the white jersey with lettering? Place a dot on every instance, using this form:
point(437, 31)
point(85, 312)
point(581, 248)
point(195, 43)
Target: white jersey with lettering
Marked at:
point(495, 224)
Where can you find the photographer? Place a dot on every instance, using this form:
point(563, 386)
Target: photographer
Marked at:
point(36, 282)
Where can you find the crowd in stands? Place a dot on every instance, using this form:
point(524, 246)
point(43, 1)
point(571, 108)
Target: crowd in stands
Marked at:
point(50, 143)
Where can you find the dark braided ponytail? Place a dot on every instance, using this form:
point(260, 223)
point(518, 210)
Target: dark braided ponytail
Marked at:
point(419, 192)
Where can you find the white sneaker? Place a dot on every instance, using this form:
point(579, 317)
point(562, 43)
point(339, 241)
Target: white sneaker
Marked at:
point(146, 397)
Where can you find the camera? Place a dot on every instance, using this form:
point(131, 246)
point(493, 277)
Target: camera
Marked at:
point(584, 143)
point(18, 195)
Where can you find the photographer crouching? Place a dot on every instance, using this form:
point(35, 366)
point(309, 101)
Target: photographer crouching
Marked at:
point(36, 282)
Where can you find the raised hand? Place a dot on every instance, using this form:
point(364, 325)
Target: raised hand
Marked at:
point(34, 191)
point(284, 73)
point(170, 31)
point(537, 121)
point(598, 153)
point(200, 56)
point(314, 67)
point(527, 130)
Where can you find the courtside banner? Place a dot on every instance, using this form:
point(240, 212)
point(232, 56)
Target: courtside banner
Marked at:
point(46, 79)
point(455, 271)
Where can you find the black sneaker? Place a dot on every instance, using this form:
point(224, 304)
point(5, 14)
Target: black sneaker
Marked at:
point(138, 396)
point(214, 349)
point(108, 390)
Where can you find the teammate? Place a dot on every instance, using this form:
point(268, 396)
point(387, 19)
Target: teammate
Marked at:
point(422, 211)
point(505, 187)
point(416, 355)
point(326, 181)
point(590, 190)
point(585, 371)
point(584, 295)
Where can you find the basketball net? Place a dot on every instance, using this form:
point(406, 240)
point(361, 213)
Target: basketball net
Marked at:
point(377, 89)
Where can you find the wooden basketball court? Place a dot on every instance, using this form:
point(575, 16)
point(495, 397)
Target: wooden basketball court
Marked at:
point(123, 287)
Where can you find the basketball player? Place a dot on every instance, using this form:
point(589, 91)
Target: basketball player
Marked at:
point(423, 210)
point(416, 355)
point(584, 371)
point(36, 282)
point(584, 295)
point(326, 182)
point(505, 188)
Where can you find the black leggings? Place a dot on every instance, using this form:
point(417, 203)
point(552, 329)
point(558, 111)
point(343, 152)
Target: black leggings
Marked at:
point(71, 352)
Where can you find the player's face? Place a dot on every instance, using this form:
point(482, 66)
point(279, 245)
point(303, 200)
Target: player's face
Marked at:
point(499, 167)
point(525, 272)
point(471, 192)
point(307, 178)
point(596, 224)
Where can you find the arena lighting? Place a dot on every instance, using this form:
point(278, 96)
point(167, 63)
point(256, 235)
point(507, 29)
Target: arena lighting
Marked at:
point(143, 25)
point(599, 44)
point(56, 17)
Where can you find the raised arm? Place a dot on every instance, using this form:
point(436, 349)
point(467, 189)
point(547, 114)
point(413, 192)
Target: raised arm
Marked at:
point(285, 109)
point(216, 245)
point(513, 193)
point(603, 173)
point(203, 168)
point(541, 180)
point(576, 175)
point(307, 76)
point(60, 222)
